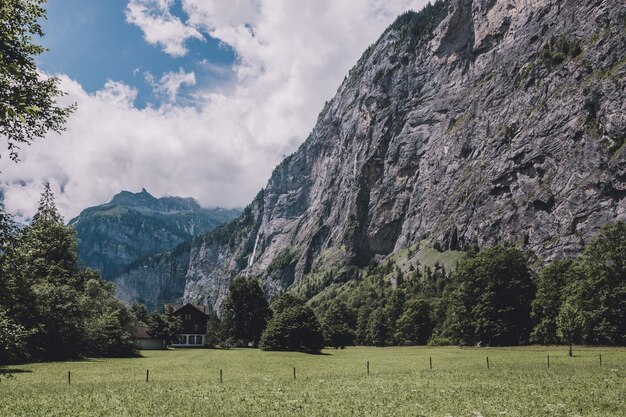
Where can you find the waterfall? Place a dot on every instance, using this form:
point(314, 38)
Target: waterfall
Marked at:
point(256, 243)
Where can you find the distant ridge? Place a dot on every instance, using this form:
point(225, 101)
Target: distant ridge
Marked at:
point(134, 225)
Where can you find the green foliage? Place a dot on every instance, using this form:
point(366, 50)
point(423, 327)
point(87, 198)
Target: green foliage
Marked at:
point(491, 301)
point(140, 312)
point(547, 303)
point(378, 76)
point(28, 108)
point(246, 311)
point(165, 326)
point(284, 259)
point(66, 312)
point(13, 339)
point(506, 132)
point(293, 328)
point(570, 322)
point(558, 49)
point(377, 331)
point(414, 27)
point(143, 217)
point(108, 322)
point(215, 332)
point(8, 230)
point(415, 325)
point(338, 324)
point(285, 301)
point(232, 232)
point(599, 291)
point(376, 301)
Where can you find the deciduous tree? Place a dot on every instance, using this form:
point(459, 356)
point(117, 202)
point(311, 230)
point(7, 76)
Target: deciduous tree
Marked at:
point(28, 106)
point(245, 310)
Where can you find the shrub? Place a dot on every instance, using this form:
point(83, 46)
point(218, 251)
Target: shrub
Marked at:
point(284, 258)
point(558, 49)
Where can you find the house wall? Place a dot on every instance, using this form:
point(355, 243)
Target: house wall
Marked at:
point(190, 340)
point(194, 321)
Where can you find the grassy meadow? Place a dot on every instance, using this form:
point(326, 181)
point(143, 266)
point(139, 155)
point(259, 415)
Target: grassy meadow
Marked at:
point(256, 383)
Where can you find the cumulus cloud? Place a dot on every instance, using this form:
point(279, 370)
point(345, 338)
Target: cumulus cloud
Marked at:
point(221, 149)
point(160, 26)
point(170, 82)
point(117, 94)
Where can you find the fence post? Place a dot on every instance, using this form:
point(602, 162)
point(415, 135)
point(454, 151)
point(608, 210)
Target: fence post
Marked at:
point(368, 368)
point(431, 362)
point(221, 379)
point(294, 373)
point(147, 375)
point(600, 359)
point(69, 377)
point(548, 361)
point(487, 362)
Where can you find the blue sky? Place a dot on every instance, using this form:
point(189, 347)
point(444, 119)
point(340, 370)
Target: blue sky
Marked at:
point(90, 41)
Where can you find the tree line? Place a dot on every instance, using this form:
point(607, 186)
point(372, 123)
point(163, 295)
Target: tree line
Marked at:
point(50, 307)
point(493, 298)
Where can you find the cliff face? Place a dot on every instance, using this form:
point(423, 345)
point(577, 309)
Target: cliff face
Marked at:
point(134, 225)
point(157, 282)
point(470, 123)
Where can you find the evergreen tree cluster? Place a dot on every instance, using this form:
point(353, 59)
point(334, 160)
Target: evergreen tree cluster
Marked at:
point(50, 308)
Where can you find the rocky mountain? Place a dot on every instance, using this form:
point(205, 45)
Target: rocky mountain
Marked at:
point(135, 225)
point(469, 123)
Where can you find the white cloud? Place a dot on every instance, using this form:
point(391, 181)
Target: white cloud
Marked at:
point(160, 26)
point(291, 58)
point(170, 82)
point(117, 94)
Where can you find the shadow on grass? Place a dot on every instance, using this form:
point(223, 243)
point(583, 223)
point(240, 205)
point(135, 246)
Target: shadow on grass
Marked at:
point(11, 371)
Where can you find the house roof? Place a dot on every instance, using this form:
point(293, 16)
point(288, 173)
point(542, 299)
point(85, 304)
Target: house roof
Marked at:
point(142, 333)
point(200, 308)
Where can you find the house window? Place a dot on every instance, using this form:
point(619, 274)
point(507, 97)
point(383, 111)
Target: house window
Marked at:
point(195, 327)
point(198, 340)
point(183, 339)
point(187, 316)
point(191, 339)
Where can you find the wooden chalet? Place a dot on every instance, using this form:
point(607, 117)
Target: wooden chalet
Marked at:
point(194, 319)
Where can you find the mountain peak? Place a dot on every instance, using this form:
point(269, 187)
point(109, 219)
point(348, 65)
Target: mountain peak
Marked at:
point(143, 201)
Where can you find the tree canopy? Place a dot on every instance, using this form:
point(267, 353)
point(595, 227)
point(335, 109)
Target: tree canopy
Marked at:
point(51, 308)
point(293, 327)
point(164, 326)
point(246, 310)
point(28, 106)
point(491, 302)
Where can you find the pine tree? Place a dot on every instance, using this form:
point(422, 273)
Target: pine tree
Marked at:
point(66, 312)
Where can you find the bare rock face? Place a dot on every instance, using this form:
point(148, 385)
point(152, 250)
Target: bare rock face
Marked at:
point(470, 123)
point(155, 281)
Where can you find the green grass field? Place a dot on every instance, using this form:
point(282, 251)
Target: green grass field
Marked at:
point(256, 383)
